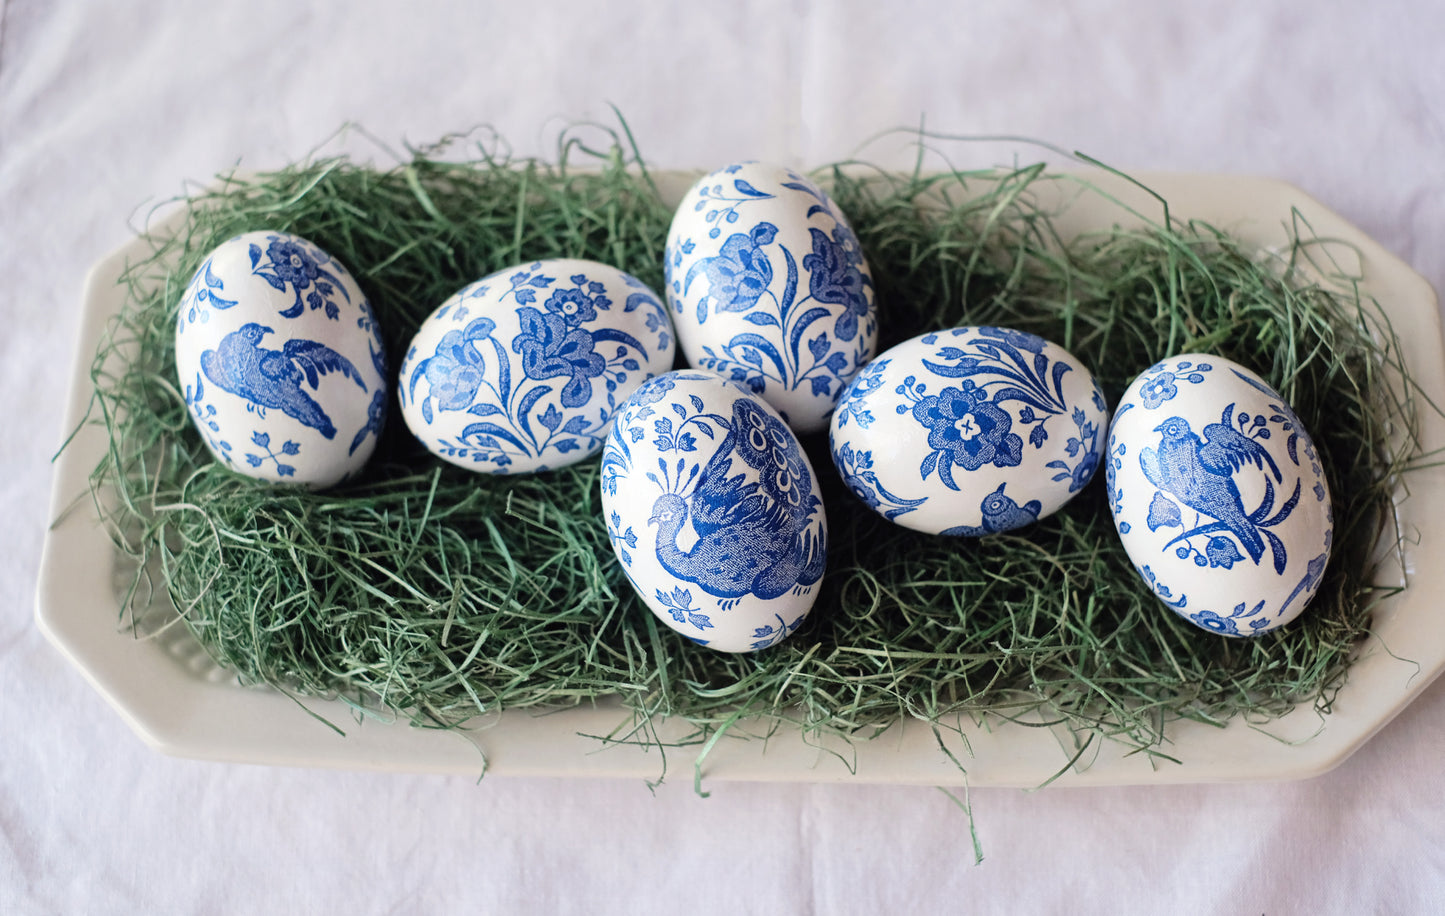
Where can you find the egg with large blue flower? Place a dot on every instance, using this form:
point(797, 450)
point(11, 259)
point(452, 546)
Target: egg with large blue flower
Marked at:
point(969, 431)
point(280, 361)
point(769, 287)
point(1218, 495)
point(714, 511)
point(524, 369)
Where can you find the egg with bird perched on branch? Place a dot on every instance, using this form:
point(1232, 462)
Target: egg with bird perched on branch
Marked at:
point(1218, 494)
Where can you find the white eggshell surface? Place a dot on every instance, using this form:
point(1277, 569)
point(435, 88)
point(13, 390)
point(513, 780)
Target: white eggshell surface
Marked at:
point(714, 511)
point(523, 370)
point(280, 360)
point(969, 431)
point(768, 287)
point(1218, 495)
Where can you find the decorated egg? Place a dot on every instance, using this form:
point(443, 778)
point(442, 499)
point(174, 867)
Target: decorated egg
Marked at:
point(768, 287)
point(1218, 495)
point(714, 511)
point(523, 370)
point(969, 431)
point(280, 360)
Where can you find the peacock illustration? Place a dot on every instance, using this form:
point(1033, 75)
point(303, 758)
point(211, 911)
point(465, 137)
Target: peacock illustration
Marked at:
point(1000, 513)
point(752, 538)
point(273, 378)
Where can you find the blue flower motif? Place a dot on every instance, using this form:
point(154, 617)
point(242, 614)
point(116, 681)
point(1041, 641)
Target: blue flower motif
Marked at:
point(1211, 621)
point(1158, 389)
point(740, 273)
point(1164, 513)
point(572, 306)
point(551, 348)
point(652, 390)
point(835, 277)
point(1221, 552)
point(968, 430)
point(292, 263)
point(454, 373)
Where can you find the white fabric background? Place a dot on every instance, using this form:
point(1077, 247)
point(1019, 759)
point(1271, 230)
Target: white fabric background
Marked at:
point(107, 106)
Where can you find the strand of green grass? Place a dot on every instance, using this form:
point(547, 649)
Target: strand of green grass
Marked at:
point(443, 595)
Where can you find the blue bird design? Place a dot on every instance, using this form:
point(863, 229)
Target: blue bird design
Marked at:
point(1000, 513)
point(273, 378)
point(752, 537)
point(1200, 474)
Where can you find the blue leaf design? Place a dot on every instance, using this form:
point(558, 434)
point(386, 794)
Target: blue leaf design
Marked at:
point(927, 465)
point(746, 188)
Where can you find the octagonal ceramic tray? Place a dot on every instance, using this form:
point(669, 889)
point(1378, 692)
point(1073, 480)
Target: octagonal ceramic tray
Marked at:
point(170, 693)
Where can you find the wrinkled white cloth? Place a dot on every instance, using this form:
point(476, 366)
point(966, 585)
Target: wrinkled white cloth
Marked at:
point(106, 108)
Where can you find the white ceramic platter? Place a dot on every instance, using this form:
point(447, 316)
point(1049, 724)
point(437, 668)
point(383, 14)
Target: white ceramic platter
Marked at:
point(179, 702)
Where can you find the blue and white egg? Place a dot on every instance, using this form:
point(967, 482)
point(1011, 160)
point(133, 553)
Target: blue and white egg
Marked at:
point(714, 511)
point(969, 431)
point(1218, 495)
point(524, 369)
point(280, 361)
point(768, 287)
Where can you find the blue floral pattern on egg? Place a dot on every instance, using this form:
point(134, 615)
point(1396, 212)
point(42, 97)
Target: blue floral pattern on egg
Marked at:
point(970, 431)
point(1218, 495)
point(524, 369)
point(714, 511)
point(769, 288)
point(280, 361)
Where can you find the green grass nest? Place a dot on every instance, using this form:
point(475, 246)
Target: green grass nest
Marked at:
point(428, 591)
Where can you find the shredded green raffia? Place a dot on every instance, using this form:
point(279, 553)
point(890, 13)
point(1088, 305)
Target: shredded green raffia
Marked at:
point(441, 594)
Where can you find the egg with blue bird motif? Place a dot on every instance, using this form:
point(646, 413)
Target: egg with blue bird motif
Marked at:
point(769, 287)
point(969, 431)
point(524, 369)
point(714, 511)
point(280, 361)
point(1218, 495)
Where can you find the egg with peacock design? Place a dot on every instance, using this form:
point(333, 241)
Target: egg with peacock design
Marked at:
point(523, 370)
point(714, 511)
point(969, 431)
point(280, 361)
point(769, 287)
point(1218, 495)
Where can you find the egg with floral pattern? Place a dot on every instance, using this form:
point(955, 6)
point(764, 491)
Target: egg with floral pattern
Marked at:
point(969, 431)
point(523, 370)
point(280, 361)
point(1218, 495)
point(769, 288)
point(714, 511)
